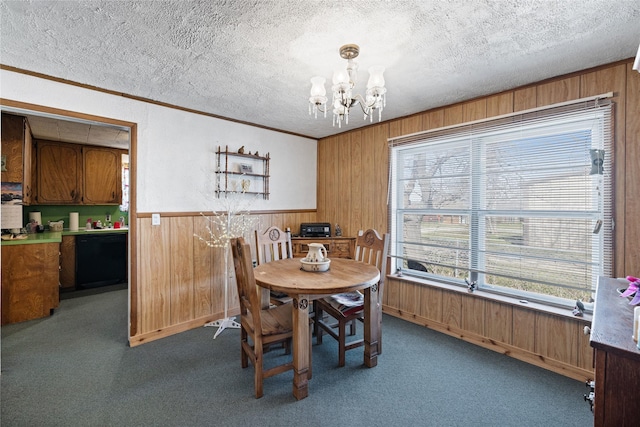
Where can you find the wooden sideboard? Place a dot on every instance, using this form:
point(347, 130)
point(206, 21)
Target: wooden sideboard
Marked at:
point(337, 247)
point(617, 358)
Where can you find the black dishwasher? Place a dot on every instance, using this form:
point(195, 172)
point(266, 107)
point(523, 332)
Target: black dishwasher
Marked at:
point(101, 259)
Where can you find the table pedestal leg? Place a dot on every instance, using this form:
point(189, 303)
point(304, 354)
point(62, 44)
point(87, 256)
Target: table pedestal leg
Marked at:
point(371, 326)
point(301, 346)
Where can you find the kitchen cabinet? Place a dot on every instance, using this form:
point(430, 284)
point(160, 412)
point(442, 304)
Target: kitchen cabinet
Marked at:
point(337, 247)
point(73, 174)
point(102, 180)
point(617, 358)
point(68, 262)
point(30, 288)
point(59, 173)
point(17, 147)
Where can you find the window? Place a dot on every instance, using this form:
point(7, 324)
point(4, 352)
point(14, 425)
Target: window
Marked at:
point(124, 207)
point(520, 205)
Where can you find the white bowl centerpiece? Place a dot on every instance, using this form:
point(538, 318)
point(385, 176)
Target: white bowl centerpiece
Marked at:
point(315, 265)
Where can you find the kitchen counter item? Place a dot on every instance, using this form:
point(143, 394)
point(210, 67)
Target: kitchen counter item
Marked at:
point(14, 236)
point(36, 217)
point(56, 225)
point(73, 221)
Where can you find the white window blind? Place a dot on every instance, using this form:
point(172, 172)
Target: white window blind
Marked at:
point(521, 204)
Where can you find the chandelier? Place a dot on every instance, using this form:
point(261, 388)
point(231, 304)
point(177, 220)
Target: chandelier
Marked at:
point(343, 83)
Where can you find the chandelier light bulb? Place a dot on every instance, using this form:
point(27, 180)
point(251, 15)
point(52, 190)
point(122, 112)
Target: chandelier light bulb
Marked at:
point(317, 86)
point(376, 79)
point(340, 77)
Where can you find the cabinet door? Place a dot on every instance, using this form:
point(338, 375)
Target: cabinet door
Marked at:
point(12, 140)
point(342, 248)
point(17, 147)
point(59, 172)
point(102, 176)
point(28, 190)
point(68, 262)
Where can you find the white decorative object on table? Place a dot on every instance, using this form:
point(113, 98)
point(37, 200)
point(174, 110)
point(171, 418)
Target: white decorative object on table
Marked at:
point(315, 265)
point(316, 259)
point(317, 252)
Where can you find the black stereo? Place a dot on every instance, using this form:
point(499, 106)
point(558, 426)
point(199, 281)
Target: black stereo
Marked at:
point(316, 229)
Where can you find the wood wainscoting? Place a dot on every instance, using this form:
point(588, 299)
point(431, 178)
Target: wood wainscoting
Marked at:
point(554, 341)
point(180, 279)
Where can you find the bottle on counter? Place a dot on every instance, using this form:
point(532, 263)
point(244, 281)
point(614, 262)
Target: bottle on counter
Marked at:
point(88, 226)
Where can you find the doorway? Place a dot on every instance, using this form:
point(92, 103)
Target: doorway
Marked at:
point(102, 126)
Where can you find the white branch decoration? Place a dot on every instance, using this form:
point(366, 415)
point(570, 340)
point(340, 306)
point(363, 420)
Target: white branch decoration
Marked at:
point(234, 221)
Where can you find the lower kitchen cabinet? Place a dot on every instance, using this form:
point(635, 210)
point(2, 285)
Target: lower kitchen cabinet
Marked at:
point(68, 263)
point(30, 286)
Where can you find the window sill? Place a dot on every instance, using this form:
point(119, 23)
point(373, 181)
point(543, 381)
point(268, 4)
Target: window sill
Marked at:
point(491, 296)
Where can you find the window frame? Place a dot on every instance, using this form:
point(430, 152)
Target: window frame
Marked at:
point(553, 114)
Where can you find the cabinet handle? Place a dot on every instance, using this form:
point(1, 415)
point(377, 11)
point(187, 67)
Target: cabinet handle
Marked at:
point(73, 193)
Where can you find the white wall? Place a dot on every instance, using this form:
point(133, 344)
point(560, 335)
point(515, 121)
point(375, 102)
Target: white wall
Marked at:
point(176, 160)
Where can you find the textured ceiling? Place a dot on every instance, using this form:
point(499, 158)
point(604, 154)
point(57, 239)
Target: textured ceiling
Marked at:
point(252, 60)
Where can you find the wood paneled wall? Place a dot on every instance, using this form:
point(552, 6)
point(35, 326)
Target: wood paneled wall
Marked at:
point(352, 191)
point(180, 279)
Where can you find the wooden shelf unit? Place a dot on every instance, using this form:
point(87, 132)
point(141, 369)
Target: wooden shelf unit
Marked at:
point(259, 178)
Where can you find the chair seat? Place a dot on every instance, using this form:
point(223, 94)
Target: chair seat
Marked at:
point(275, 320)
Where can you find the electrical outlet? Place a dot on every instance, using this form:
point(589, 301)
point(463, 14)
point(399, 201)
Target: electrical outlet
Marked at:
point(155, 219)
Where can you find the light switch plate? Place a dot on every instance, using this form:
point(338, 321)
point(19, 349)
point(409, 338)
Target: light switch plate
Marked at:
point(155, 219)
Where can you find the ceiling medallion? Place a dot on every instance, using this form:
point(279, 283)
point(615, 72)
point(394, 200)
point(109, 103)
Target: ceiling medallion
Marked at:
point(343, 84)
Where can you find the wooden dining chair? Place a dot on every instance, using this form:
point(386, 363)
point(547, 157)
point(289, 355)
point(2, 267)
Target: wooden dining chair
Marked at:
point(346, 309)
point(260, 327)
point(273, 245)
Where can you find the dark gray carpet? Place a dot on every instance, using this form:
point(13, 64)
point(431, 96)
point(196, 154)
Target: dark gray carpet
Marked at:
point(75, 369)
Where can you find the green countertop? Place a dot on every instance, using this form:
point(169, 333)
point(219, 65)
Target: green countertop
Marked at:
point(67, 232)
point(56, 236)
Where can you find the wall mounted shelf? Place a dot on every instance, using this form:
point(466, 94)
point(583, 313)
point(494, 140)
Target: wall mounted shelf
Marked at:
point(241, 173)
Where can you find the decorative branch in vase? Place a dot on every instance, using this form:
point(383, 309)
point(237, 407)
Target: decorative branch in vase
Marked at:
point(222, 226)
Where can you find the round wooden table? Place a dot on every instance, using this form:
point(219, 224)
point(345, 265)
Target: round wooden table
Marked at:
point(344, 275)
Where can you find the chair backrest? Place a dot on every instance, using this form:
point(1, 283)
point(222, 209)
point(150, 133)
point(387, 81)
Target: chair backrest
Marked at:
point(272, 245)
point(373, 249)
point(246, 281)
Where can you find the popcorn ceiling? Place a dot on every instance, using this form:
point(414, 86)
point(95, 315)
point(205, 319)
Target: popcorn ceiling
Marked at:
point(252, 60)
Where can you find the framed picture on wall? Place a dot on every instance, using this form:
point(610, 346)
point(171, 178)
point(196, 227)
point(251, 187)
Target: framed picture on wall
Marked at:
point(246, 168)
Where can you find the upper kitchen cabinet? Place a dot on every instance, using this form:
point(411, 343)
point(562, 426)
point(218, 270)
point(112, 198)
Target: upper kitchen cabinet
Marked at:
point(102, 176)
point(73, 174)
point(17, 152)
point(59, 173)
